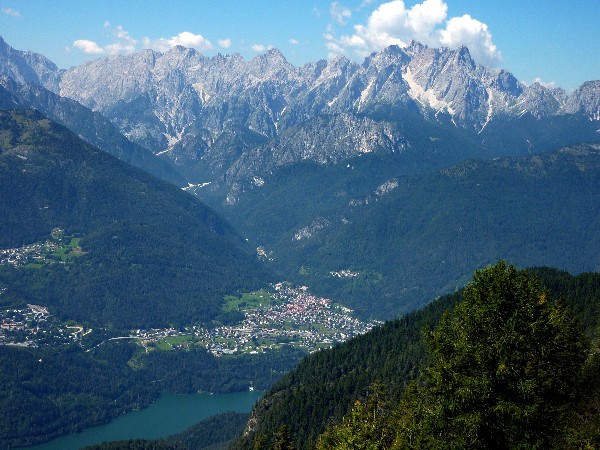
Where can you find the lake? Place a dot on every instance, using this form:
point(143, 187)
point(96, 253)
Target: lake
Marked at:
point(168, 415)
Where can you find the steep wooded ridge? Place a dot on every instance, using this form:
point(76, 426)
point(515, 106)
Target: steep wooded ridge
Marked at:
point(152, 254)
point(412, 238)
point(323, 388)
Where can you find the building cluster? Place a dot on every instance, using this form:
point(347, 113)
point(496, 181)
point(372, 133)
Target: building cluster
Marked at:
point(20, 256)
point(34, 326)
point(295, 317)
point(292, 317)
point(345, 273)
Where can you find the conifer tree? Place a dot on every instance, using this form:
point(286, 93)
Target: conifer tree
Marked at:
point(503, 372)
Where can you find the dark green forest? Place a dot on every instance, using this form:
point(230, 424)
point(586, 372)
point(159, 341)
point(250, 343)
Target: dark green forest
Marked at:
point(321, 394)
point(45, 393)
point(154, 255)
point(427, 235)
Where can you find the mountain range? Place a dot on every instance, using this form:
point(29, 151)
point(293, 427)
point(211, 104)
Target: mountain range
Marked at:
point(226, 120)
point(380, 184)
point(312, 164)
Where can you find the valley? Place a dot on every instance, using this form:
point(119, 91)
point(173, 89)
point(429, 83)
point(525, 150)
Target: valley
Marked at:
point(286, 316)
point(153, 203)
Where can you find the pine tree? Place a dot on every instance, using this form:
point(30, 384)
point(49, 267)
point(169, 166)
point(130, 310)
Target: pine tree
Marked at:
point(503, 370)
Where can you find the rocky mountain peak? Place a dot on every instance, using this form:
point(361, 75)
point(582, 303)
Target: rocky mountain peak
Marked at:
point(391, 55)
point(28, 67)
point(415, 47)
point(269, 63)
point(463, 56)
point(586, 100)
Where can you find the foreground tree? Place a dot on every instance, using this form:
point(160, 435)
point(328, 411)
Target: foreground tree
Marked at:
point(366, 427)
point(503, 371)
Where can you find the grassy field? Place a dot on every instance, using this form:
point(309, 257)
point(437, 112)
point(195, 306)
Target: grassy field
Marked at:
point(247, 301)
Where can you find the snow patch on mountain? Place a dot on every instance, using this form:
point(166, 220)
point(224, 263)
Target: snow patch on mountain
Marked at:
point(427, 97)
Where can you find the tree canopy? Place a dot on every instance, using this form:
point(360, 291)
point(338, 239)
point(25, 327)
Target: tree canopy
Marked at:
point(504, 370)
point(503, 366)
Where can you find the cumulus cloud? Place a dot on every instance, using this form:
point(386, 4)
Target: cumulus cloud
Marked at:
point(475, 35)
point(293, 41)
point(185, 39)
point(122, 43)
point(11, 12)
point(340, 13)
point(224, 43)
point(393, 23)
point(258, 47)
point(89, 47)
point(546, 84)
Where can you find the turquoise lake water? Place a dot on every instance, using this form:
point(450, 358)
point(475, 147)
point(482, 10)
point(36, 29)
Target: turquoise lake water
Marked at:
point(168, 415)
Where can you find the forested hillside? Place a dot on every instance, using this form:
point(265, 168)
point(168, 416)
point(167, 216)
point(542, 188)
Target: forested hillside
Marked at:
point(324, 387)
point(405, 239)
point(149, 254)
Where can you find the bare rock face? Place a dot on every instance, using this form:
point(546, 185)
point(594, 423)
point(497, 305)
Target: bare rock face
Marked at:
point(237, 118)
point(28, 67)
point(586, 100)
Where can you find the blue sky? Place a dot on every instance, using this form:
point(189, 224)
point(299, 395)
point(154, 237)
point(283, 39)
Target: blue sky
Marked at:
point(556, 42)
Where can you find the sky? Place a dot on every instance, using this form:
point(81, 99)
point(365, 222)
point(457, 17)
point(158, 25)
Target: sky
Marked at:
point(554, 42)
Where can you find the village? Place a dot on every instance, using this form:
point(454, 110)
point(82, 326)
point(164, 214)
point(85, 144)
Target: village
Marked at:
point(59, 248)
point(20, 256)
point(285, 316)
point(34, 326)
point(269, 319)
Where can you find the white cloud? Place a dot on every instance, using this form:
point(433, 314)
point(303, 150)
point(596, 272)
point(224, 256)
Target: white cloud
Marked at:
point(546, 84)
point(224, 43)
point(11, 12)
point(293, 41)
point(475, 35)
point(258, 47)
point(122, 43)
point(89, 47)
point(340, 13)
point(364, 3)
point(393, 23)
point(334, 49)
point(185, 39)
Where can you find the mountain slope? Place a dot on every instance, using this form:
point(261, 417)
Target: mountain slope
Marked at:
point(90, 126)
point(154, 255)
point(411, 238)
point(322, 389)
point(28, 67)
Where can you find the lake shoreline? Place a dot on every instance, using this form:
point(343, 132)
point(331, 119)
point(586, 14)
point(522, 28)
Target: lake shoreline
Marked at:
point(169, 414)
